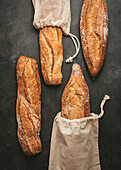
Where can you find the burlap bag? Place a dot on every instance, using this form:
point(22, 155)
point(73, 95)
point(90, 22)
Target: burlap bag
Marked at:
point(74, 143)
point(55, 13)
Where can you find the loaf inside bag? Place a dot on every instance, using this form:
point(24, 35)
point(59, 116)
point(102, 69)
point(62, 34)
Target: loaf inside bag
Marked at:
point(74, 140)
point(51, 18)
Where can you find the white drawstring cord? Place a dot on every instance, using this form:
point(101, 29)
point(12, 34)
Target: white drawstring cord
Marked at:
point(102, 105)
point(77, 46)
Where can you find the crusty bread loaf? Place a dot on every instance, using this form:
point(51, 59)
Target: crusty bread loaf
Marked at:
point(75, 99)
point(28, 105)
point(94, 33)
point(51, 51)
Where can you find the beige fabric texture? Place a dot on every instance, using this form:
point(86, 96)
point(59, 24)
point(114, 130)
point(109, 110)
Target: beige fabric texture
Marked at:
point(74, 143)
point(52, 13)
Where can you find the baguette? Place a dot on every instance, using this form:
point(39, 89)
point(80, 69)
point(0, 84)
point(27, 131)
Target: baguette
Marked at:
point(94, 33)
point(28, 105)
point(51, 50)
point(75, 99)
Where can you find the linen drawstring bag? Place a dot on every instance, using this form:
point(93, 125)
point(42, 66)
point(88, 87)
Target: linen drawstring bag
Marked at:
point(55, 13)
point(74, 143)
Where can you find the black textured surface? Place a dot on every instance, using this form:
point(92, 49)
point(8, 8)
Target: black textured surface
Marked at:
point(19, 37)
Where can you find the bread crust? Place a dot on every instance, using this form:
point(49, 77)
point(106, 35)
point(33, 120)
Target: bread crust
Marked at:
point(28, 105)
point(75, 99)
point(94, 33)
point(51, 50)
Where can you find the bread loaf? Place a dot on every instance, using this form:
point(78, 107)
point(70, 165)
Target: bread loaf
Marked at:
point(51, 50)
point(94, 33)
point(28, 105)
point(75, 99)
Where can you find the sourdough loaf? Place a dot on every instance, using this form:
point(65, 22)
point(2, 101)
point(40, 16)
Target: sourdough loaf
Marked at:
point(94, 33)
point(75, 99)
point(28, 105)
point(51, 51)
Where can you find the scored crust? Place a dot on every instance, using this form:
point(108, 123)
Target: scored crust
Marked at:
point(75, 99)
point(28, 105)
point(51, 50)
point(94, 33)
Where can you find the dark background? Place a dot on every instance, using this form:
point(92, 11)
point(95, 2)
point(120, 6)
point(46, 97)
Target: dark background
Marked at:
point(19, 37)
